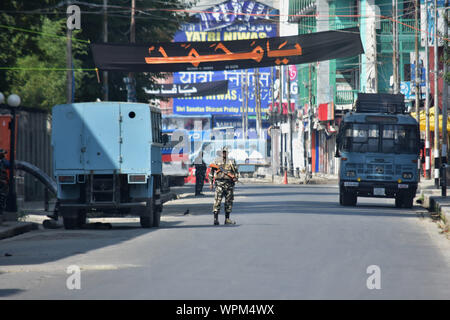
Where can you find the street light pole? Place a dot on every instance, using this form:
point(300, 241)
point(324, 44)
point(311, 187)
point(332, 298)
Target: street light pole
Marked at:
point(445, 89)
point(11, 203)
point(12, 199)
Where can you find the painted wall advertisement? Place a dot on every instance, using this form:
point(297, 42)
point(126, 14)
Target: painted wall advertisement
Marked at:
point(428, 29)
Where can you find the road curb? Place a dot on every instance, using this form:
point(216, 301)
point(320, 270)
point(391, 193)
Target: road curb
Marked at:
point(440, 205)
point(278, 180)
point(436, 203)
point(8, 230)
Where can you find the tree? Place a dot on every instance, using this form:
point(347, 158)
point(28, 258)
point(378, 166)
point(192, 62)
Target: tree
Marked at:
point(153, 24)
point(13, 42)
point(39, 78)
point(22, 49)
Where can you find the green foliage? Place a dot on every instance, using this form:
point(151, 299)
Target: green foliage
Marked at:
point(24, 50)
point(46, 88)
point(151, 26)
point(15, 44)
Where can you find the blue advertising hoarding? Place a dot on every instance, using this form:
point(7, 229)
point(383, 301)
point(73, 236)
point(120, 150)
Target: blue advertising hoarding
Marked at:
point(231, 102)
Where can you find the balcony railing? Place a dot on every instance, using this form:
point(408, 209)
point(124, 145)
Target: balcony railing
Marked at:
point(301, 6)
point(345, 97)
point(405, 26)
point(344, 23)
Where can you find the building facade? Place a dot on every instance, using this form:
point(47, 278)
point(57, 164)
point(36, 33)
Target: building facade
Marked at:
point(328, 89)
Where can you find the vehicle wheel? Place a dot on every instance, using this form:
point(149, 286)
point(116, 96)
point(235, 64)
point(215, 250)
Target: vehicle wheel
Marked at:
point(156, 218)
point(349, 199)
point(398, 201)
point(408, 201)
point(70, 223)
point(81, 218)
point(146, 216)
point(71, 218)
point(353, 199)
point(180, 181)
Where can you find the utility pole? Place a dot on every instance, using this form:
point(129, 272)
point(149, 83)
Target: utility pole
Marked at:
point(445, 88)
point(427, 100)
point(291, 164)
point(243, 103)
point(310, 117)
point(131, 82)
point(255, 90)
point(395, 47)
point(258, 103)
point(272, 134)
point(246, 105)
point(436, 101)
point(416, 50)
point(105, 39)
point(69, 68)
point(280, 74)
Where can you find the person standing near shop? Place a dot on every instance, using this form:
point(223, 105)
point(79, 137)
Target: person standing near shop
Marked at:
point(200, 174)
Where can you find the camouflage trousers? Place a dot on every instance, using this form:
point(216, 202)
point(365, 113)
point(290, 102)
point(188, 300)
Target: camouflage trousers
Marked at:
point(224, 189)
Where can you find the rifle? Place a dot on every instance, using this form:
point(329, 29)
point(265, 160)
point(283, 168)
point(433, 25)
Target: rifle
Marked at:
point(219, 168)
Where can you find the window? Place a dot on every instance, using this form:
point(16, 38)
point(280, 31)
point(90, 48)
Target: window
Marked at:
point(365, 138)
point(399, 139)
point(384, 138)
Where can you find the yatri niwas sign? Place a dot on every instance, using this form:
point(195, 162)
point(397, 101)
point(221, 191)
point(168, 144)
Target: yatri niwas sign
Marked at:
point(228, 55)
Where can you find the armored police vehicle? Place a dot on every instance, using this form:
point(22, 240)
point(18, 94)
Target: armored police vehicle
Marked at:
point(107, 157)
point(378, 145)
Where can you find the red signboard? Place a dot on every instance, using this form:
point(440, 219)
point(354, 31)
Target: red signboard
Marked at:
point(5, 134)
point(326, 112)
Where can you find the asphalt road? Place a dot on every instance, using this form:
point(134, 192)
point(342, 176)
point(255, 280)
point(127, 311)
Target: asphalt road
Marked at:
point(290, 242)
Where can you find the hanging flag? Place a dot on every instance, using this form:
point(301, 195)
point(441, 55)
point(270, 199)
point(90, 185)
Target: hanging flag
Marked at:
point(228, 55)
point(189, 89)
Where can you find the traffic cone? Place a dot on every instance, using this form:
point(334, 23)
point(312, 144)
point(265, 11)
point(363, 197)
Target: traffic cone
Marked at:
point(285, 180)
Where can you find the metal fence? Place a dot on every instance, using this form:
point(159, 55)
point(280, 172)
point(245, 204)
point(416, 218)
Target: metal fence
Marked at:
point(33, 146)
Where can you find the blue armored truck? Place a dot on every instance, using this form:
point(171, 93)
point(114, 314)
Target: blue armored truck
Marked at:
point(107, 157)
point(378, 145)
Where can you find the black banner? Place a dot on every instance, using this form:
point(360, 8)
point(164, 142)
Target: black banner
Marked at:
point(184, 90)
point(228, 55)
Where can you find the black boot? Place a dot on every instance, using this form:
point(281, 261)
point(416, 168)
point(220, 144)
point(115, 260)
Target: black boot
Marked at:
point(228, 220)
point(216, 218)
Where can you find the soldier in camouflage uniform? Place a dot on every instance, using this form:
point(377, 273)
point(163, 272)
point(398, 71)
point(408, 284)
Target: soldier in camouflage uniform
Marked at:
point(224, 179)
